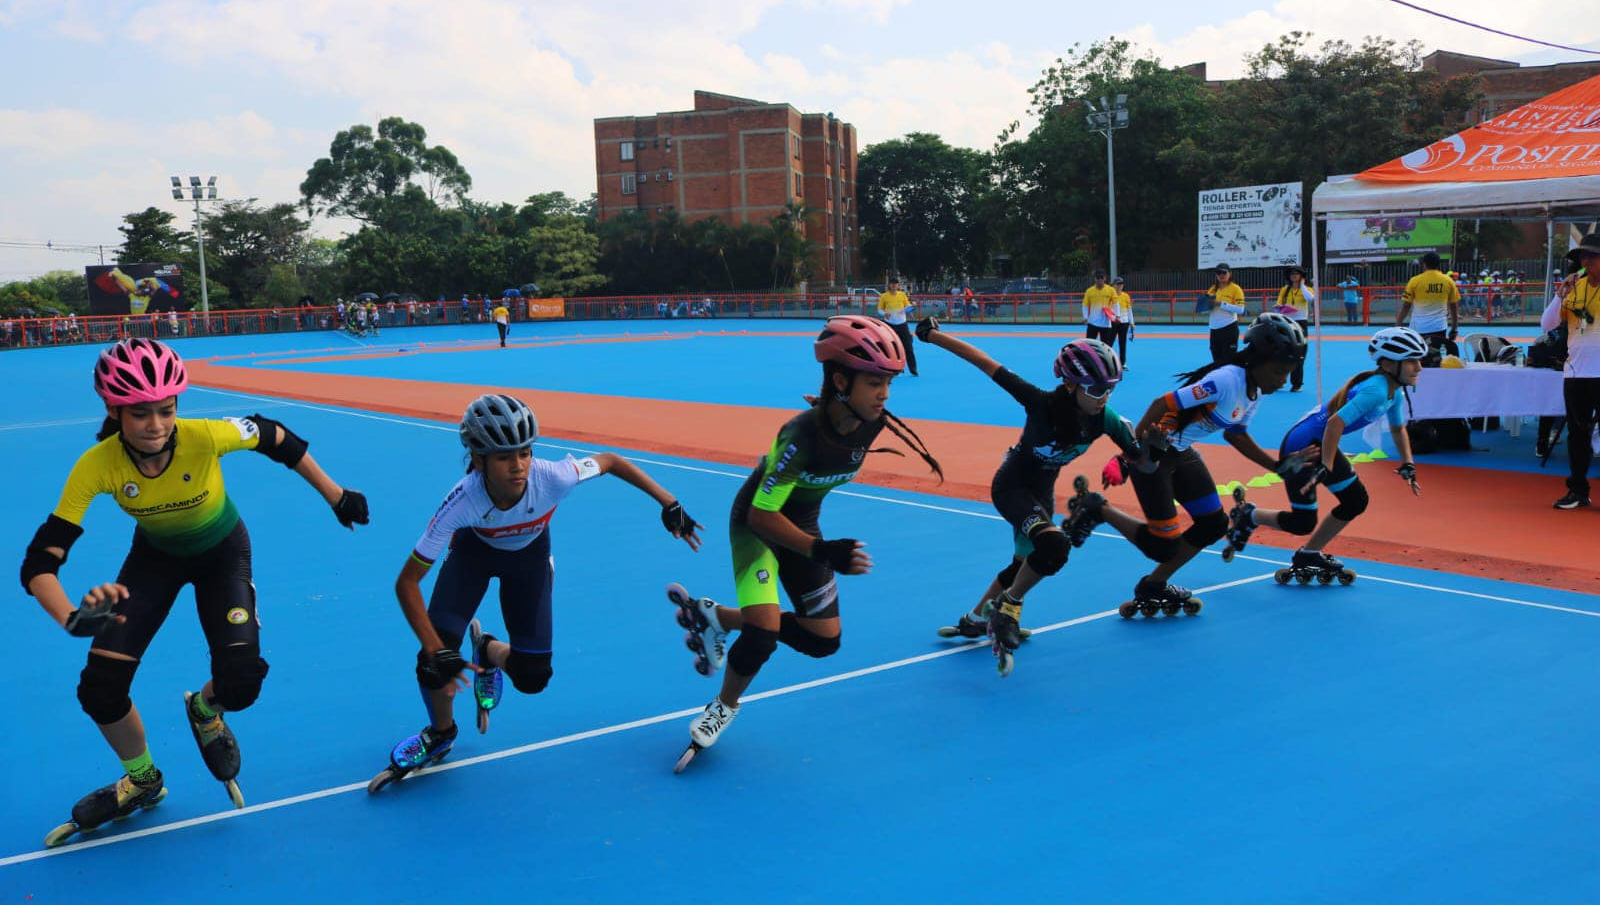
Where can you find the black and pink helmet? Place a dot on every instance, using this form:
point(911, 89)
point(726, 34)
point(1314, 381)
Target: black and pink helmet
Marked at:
point(139, 370)
point(1088, 363)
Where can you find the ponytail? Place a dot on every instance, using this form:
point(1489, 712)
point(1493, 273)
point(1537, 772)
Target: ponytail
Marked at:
point(889, 420)
point(109, 428)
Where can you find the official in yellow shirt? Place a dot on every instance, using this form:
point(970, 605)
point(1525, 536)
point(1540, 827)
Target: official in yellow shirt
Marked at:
point(502, 320)
point(1227, 303)
point(895, 307)
point(1123, 325)
point(1432, 303)
point(1099, 306)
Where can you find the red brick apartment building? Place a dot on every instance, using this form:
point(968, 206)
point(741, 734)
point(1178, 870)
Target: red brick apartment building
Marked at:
point(741, 161)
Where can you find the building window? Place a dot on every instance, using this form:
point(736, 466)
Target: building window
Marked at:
point(627, 150)
point(669, 143)
point(799, 188)
point(794, 144)
point(630, 183)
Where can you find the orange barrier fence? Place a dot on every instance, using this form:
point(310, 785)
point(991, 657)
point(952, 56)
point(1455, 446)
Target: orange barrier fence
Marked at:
point(1481, 306)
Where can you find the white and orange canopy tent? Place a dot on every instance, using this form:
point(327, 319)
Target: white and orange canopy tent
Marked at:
point(1541, 160)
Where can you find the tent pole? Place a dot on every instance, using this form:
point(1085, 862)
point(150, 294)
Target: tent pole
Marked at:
point(1549, 255)
point(1316, 290)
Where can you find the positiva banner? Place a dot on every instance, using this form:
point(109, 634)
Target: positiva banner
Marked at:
point(1251, 226)
point(135, 288)
point(546, 308)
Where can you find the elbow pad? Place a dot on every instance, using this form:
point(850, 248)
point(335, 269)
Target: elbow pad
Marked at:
point(55, 532)
point(288, 451)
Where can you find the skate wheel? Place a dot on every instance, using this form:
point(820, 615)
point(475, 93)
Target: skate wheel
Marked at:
point(1171, 609)
point(1281, 576)
point(60, 834)
point(1347, 577)
point(1324, 578)
point(678, 594)
point(1149, 609)
point(692, 642)
point(1128, 610)
point(687, 755)
point(948, 631)
point(382, 779)
point(1227, 554)
point(702, 666)
point(1191, 607)
point(483, 721)
point(1080, 484)
point(234, 795)
point(1238, 494)
point(1005, 661)
point(1302, 578)
point(684, 620)
point(1024, 633)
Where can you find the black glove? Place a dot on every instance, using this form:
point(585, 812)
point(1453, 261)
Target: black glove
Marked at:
point(351, 509)
point(437, 670)
point(925, 328)
point(677, 521)
point(1319, 473)
point(89, 621)
point(836, 553)
point(1408, 471)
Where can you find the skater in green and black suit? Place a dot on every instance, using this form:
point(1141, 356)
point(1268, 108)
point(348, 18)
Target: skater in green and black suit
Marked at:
point(774, 529)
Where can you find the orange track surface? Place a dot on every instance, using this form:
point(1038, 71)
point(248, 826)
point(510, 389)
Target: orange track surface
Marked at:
point(1469, 521)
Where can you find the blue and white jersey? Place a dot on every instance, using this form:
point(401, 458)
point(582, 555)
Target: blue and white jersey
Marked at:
point(468, 506)
point(1366, 402)
point(1224, 401)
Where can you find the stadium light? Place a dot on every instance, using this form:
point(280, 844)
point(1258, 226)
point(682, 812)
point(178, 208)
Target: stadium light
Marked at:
point(1107, 117)
point(199, 193)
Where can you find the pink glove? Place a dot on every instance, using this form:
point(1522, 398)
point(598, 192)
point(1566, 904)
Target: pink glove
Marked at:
point(1115, 472)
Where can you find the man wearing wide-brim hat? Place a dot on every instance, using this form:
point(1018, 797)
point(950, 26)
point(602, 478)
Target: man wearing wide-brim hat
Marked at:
point(1576, 306)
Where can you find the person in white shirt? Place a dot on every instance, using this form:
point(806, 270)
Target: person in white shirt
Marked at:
point(1577, 306)
point(1227, 303)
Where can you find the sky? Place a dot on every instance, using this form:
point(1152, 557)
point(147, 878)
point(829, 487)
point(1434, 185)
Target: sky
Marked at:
point(101, 102)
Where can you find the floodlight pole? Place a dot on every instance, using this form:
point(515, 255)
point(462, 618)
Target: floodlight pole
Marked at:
point(207, 192)
point(1108, 117)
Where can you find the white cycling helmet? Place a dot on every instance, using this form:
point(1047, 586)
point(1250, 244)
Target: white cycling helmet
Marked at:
point(1397, 344)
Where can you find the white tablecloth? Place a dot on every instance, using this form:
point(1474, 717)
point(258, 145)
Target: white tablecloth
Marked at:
point(1487, 389)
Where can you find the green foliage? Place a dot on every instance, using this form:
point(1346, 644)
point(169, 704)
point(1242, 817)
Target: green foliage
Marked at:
point(246, 244)
point(922, 207)
point(380, 178)
point(644, 254)
point(149, 238)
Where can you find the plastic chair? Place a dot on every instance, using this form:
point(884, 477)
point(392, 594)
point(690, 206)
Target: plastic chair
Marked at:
point(1482, 346)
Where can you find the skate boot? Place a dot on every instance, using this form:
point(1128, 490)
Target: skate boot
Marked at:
point(1004, 630)
point(703, 634)
point(1151, 597)
point(489, 681)
point(1309, 564)
point(108, 803)
point(424, 749)
point(1084, 512)
point(1241, 524)
point(968, 626)
point(217, 747)
point(705, 730)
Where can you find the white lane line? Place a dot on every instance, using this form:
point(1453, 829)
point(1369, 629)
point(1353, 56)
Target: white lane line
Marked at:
point(562, 740)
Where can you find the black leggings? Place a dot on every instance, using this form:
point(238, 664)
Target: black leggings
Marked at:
point(224, 596)
point(1121, 330)
point(904, 332)
point(1582, 396)
point(1225, 342)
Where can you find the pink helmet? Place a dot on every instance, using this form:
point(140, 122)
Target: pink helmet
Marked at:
point(1088, 362)
point(861, 344)
point(139, 370)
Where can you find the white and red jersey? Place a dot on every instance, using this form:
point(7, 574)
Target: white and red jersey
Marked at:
point(468, 506)
point(1223, 397)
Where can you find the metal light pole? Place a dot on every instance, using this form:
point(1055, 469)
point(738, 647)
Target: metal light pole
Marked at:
point(1107, 118)
point(207, 192)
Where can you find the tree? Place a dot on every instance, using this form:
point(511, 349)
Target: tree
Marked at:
point(921, 204)
point(246, 243)
point(366, 173)
point(148, 238)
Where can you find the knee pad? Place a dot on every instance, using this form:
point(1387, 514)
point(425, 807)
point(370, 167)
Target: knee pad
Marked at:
point(1050, 550)
point(103, 688)
point(236, 674)
point(1157, 548)
point(1207, 529)
point(751, 650)
point(1009, 574)
point(530, 673)
point(791, 633)
point(1352, 502)
point(1298, 521)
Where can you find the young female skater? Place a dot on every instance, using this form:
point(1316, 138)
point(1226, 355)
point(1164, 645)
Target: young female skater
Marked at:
point(495, 522)
point(166, 473)
point(1059, 427)
point(1365, 398)
point(774, 531)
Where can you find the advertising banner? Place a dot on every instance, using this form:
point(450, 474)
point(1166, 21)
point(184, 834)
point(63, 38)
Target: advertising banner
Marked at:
point(135, 288)
point(1388, 238)
point(1252, 226)
point(546, 308)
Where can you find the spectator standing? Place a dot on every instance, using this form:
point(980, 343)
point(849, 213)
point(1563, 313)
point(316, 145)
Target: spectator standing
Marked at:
point(1432, 303)
point(466, 309)
point(894, 307)
point(1099, 303)
point(1352, 299)
point(1227, 303)
point(1294, 302)
point(1123, 325)
point(1576, 306)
